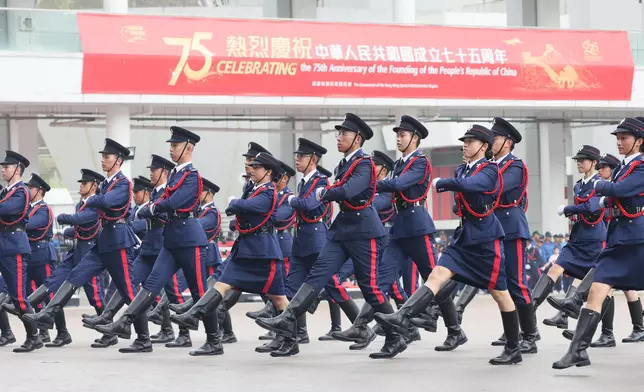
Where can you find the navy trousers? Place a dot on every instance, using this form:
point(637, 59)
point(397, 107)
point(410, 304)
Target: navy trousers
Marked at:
point(191, 260)
point(298, 271)
point(334, 288)
point(366, 262)
point(515, 259)
point(14, 271)
point(118, 263)
point(94, 289)
point(174, 287)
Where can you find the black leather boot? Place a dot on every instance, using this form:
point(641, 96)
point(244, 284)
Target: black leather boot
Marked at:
point(267, 311)
point(379, 330)
point(541, 290)
point(105, 342)
point(6, 335)
point(207, 304)
point(500, 341)
point(270, 335)
point(183, 339)
point(228, 335)
point(559, 320)
point(607, 338)
point(511, 353)
point(44, 335)
point(302, 330)
point(571, 305)
point(286, 322)
point(336, 322)
point(32, 341)
point(156, 315)
point(316, 303)
point(350, 309)
point(576, 354)
point(182, 308)
point(455, 335)
point(394, 342)
point(428, 320)
point(47, 317)
point(111, 309)
point(135, 310)
point(400, 321)
point(35, 298)
point(271, 346)
point(142, 343)
point(213, 345)
point(166, 335)
point(635, 309)
point(527, 321)
point(288, 348)
point(359, 332)
point(467, 295)
point(63, 337)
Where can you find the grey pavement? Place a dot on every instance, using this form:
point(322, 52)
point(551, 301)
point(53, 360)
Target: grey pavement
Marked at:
point(324, 366)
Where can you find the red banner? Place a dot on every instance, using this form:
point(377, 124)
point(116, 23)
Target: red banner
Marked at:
point(191, 56)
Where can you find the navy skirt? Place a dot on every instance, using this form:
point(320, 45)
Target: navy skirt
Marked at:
point(259, 276)
point(577, 258)
point(622, 267)
point(480, 265)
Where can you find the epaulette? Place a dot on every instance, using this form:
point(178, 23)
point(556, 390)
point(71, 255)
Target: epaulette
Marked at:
point(578, 181)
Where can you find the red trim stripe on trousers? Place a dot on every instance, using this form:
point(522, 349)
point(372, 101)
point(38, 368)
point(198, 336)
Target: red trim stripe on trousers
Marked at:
point(271, 277)
point(126, 274)
point(373, 281)
point(20, 284)
point(175, 286)
point(95, 294)
point(497, 265)
point(198, 268)
point(524, 289)
point(340, 288)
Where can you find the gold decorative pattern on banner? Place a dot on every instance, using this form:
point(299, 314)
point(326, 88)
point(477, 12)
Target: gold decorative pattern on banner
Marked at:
point(133, 34)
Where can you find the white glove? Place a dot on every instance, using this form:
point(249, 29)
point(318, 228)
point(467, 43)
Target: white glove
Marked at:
point(601, 202)
point(231, 198)
point(290, 198)
point(318, 193)
point(560, 210)
point(434, 181)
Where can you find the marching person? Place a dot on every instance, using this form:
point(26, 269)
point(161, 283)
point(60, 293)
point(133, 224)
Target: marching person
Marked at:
point(184, 245)
point(356, 233)
point(511, 215)
point(6, 334)
point(85, 230)
point(588, 234)
point(115, 244)
point(255, 265)
point(572, 304)
point(476, 255)
point(14, 247)
point(619, 264)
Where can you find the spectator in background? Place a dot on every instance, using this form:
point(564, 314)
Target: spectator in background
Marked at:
point(533, 264)
point(558, 241)
point(535, 237)
point(548, 247)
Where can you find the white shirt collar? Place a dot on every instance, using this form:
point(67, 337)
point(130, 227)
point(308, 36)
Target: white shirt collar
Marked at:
point(8, 187)
point(586, 180)
point(110, 178)
point(263, 183)
point(309, 176)
point(348, 157)
point(628, 159)
point(502, 158)
point(472, 164)
point(212, 203)
point(405, 158)
point(35, 202)
point(159, 187)
point(182, 166)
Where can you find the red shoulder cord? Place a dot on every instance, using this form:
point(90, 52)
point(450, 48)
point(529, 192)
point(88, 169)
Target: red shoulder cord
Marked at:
point(389, 213)
point(347, 175)
point(217, 229)
point(426, 176)
point(460, 198)
point(169, 190)
point(619, 204)
point(268, 215)
point(125, 207)
point(46, 228)
point(24, 211)
point(96, 227)
point(326, 208)
point(524, 185)
point(290, 221)
point(581, 200)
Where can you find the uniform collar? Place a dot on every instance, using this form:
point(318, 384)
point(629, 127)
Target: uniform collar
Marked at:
point(159, 187)
point(470, 165)
point(585, 181)
point(32, 205)
point(406, 158)
point(348, 157)
point(211, 203)
point(502, 158)
point(110, 178)
point(257, 186)
point(630, 158)
point(308, 177)
point(8, 187)
point(182, 166)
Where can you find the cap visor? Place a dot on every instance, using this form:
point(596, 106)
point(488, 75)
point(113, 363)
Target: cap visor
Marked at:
point(342, 127)
point(298, 151)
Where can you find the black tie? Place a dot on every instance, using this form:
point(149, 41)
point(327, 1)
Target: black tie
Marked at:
point(302, 183)
point(343, 162)
point(623, 162)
